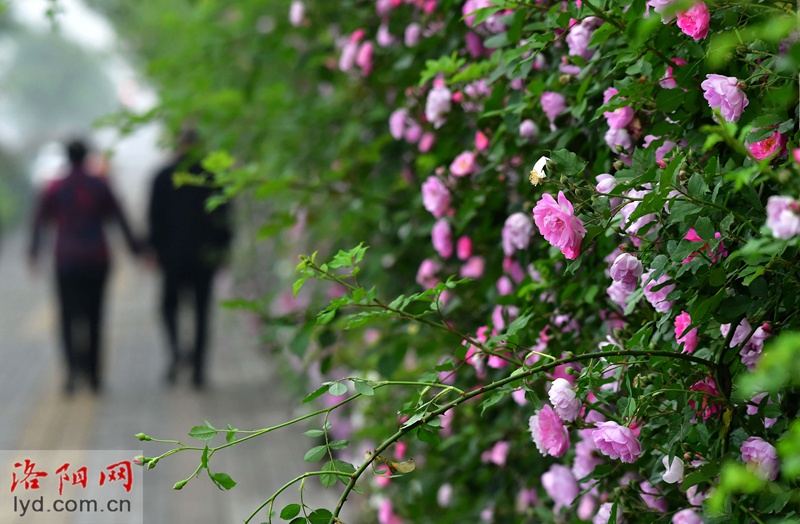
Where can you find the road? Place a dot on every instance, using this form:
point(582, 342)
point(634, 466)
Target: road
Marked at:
point(244, 392)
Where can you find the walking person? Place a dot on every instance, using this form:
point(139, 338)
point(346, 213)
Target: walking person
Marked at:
point(78, 206)
point(190, 243)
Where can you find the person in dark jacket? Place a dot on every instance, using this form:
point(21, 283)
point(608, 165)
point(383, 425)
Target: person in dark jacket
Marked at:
point(78, 205)
point(190, 242)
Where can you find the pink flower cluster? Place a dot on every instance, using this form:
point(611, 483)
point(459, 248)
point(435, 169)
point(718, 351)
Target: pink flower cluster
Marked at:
point(783, 216)
point(761, 457)
point(548, 432)
point(616, 442)
point(724, 93)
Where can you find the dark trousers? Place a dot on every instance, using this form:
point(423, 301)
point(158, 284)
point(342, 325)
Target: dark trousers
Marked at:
point(181, 284)
point(80, 297)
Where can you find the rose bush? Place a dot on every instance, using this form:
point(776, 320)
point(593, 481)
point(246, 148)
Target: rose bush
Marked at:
point(645, 321)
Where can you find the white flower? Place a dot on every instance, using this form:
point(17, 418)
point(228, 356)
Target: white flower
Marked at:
point(537, 173)
point(674, 472)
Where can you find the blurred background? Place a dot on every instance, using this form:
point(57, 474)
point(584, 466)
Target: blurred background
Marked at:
point(63, 71)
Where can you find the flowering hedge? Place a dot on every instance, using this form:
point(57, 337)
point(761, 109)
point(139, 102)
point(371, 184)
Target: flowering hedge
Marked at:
point(579, 297)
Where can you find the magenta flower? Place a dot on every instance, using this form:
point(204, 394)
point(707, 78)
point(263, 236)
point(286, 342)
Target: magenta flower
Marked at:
point(562, 487)
point(548, 432)
point(435, 196)
point(558, 224)
point(464, 248)
point(517, 232)
point(694, 21)
point(553, 104)
point(464, 164)
point(564, 400)
point(626, 270)
point(707, 407)
point(616, 442)
point(364, 58)
point(657, 298)
point(724, 93)
point(481, 141)
point(773, 144)
point(668, 80)
point(761, 458)
point(426, 274)
point(620, 117)
point(783, 216)
point(684, 335)
point(442, 238)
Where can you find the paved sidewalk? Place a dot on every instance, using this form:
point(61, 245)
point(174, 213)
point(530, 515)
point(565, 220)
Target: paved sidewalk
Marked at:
point(244, 391)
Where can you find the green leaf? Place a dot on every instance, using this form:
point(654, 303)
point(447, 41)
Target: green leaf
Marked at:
point(567, 162)
point(204, 458)
point(364, 388)
point(602, 34)
point(314, 433)
point(290, 511)
point(222, 480)
point(337, 389)
point(316, 393)
point(338, 444)
point(429, 437)
point(320, 516)
point(203, 433)
point(704, 228)
point(697, 185)
point(315, 454)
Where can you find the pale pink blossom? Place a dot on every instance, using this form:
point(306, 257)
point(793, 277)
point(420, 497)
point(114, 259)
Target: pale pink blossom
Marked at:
point(618, 294)
point(668, 80)
point(437, 105)
point(383, 37)
point(753, 405)
point(686, 516)
point(605, 183)
point(469, 8)
point(761, 458)
point(553, 104)
point(528, 128)
point(652, 497)
point(397, 122)
point(657, 298)
point(783, 216)
point(504, 286)
point(426, 274)
point(619, 140)
point(473, 267)
point(565, 403)
point(386, 514)
point(674, 470)
point(519, 397)
point(445, 494)
point(626, 270)
point(796, 154)
point(685, 336)
point(474, 45)
point(497, 454)
point(578, 40)
point(558, 224)
point(604, 514)
point(464, 164)
point(694, 21)
point(586, 458)
point(616, 442)
point(364, 58)
point(562, 487)
point(435, 196)
point(442, 238)
point(548, 432)
point(724, 93)
point(412, 34)
point(632, 228)
point(516, 234)
point(297, 12)
point(773, 144)
point(661, 7)
point(426, 142)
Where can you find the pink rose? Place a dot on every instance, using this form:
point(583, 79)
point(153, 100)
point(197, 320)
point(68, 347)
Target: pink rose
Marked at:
point(397, 122)
point(616, 442)
point(464, 248)
point(761, 457)
point(548, 432)
point(412, 34)
point(435, 196)
point(442, 238)
point(752, 408)
point(481, 141)
point(618, 294)
point(783, 216)
point(585, 459)
point(364, 58)
point(694, 22)
point(668, 80)
point(426, 274)
point(464, 164)
point(604, 514)
point(773, 144)
point(497, 454)
point(652, 497)
point(426, 142)
point(657, 298)
point(553, 104)
point(724, 93)
point(528, 128)
point(684, 335)
point(564, 400)
point(558, 224)
point(562, 487)
point(517, 232)
point(626, 270)
point(383, 37)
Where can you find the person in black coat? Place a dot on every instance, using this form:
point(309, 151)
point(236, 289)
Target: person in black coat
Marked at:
point(190, 243)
